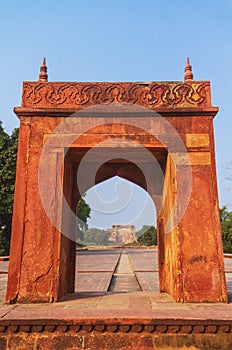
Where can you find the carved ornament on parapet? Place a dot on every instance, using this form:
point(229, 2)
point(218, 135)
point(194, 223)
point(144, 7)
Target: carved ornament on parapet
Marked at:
point(151, 95)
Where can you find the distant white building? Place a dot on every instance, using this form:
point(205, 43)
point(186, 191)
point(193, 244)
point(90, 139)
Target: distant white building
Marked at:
point(122, 234)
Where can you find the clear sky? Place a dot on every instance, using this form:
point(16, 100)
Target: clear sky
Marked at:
point(123, 40)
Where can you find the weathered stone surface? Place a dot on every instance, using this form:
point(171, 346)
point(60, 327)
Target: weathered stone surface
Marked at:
point(22, 342)
point(107, 341)
point(3, 342)
point(197, 140)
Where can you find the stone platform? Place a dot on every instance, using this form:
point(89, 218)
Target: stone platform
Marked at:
point(106, 313)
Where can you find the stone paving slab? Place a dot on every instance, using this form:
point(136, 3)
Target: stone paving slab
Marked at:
point(97, 260)
point(148, 281)
point(228, 264)
point(124, 283)
point(90, 282)
point(143, 259)
point(3, 285)
point(3, 281)
point(4, 309)
point(4, 266)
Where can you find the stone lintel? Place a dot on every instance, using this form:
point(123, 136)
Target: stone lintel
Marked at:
point(67, 112)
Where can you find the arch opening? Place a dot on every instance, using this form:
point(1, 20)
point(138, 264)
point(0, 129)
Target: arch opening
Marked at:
point(121, 226)
point(140, 175)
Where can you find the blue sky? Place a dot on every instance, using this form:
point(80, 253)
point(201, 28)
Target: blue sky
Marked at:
point(123, 40)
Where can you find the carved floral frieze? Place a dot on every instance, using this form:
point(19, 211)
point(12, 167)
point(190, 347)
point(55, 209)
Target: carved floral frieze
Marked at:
point(151, 95)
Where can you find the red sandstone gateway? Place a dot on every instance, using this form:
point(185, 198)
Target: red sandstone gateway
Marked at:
point(60, 122)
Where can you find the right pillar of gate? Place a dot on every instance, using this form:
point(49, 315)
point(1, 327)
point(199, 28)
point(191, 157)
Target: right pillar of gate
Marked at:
point(191, 261)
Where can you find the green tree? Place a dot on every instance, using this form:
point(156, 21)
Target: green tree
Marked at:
point(83, 213)
point(96, 236)
point(8, 157)
point(226, 226)
point(147, 235)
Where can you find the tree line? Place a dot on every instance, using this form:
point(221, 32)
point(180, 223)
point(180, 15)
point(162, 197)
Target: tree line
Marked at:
point(94, 236)
point(8, 156)
point(147, 235)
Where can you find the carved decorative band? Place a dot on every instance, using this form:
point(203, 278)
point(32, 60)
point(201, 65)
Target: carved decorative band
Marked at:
point(151, 95)
point(177, 327)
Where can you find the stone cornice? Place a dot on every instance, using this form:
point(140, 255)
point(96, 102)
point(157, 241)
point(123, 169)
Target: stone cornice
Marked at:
point(118, 326)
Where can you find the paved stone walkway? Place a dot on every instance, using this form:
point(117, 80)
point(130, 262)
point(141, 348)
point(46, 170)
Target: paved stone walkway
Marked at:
point(145, 266)
point(95, 269)
point(99, 304)
point(115, 270)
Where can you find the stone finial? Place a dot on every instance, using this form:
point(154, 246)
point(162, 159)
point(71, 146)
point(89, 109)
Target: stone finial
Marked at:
point(188, 71)
point(43, 71)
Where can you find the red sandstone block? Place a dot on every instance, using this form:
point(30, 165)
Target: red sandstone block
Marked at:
point(21, 342)
point(58, 342)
